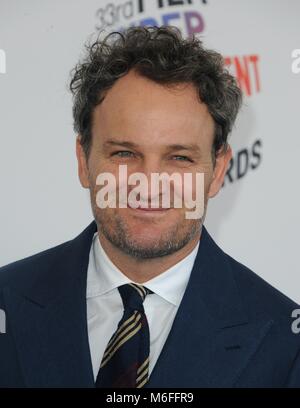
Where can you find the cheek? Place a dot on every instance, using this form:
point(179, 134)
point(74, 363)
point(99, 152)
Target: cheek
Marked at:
point(208, 178)
point(208, 173)
point(97, 166)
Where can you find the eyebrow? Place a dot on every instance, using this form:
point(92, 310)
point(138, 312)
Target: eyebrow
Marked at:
point(193, 147)
point(173, 147)
point(119, 143)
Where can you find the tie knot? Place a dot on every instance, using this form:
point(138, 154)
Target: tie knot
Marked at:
point(133, 296)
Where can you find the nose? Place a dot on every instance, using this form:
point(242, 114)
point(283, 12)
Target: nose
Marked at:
point(157, 190)
point(150, 191)
point(151, 165)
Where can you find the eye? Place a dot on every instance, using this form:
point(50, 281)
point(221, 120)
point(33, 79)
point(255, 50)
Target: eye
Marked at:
point(182, 158)
point(123, 153)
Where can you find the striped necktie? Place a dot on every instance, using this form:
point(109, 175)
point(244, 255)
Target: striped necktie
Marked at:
point(125, 362)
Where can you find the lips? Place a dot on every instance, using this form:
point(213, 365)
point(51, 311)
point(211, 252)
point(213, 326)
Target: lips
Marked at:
point(149, 209)
point(152, 209)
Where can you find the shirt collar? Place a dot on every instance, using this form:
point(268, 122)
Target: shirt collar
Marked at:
point(104, 276)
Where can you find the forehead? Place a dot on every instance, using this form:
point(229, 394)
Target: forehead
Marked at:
point(139, 108)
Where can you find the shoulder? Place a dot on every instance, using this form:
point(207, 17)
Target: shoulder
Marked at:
point(259, 295)
point(24, 270)
point(46, 271)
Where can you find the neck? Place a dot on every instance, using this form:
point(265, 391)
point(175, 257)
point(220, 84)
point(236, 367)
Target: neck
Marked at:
point(142, 270)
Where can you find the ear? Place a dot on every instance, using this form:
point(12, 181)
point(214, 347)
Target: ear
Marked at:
point(82, 164)
point(223, 157)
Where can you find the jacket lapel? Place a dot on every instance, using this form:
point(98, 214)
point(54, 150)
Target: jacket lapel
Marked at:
point(211, 340)
point(48, 321)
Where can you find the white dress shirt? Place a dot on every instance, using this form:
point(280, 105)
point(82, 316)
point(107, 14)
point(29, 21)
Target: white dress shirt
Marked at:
point(105, 306)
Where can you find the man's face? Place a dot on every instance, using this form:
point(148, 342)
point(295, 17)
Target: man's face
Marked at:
point(151, 129)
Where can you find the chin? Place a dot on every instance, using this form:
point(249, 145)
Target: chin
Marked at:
point(146, 234)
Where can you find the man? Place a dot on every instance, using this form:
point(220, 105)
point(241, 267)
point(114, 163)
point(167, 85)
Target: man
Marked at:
point(144, 297)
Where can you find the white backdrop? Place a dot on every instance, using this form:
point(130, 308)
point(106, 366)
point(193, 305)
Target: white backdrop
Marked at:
point(255, 218)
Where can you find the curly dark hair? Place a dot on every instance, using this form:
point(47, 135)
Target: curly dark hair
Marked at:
point(164, 56)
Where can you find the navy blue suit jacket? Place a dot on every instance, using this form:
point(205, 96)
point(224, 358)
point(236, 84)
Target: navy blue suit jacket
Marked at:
point(232, 329)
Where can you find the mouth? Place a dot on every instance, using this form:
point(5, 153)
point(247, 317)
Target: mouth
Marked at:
point(149, 210)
